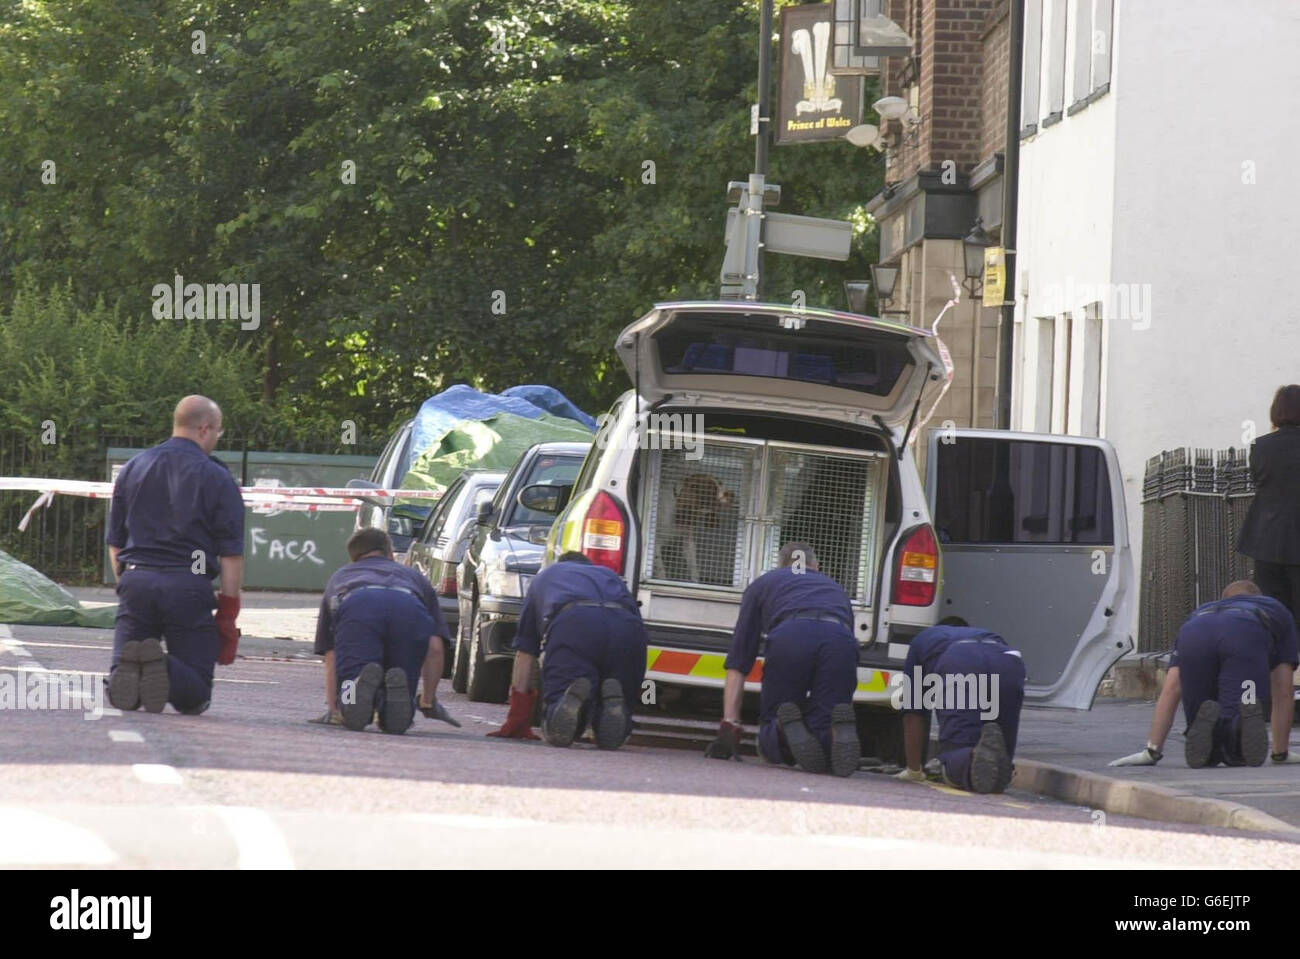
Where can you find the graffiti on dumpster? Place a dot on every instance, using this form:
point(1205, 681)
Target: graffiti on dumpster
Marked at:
point(293, 550)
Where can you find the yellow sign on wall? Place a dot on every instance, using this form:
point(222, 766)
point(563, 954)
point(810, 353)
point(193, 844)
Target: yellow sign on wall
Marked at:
point(995, 276)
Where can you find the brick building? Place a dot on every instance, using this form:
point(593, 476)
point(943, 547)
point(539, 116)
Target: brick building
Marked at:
point(943, 170)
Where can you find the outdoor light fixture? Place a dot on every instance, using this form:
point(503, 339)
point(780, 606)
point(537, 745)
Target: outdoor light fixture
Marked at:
point(865, 135)
point(890, 108)
point(896, 108)
point(855, 291)
point(884, 278)
point(973, 246)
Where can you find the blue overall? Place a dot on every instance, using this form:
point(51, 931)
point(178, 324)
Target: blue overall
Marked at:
point(1224, 646)
point(175, 512)
point(811, 658)
point(378, 611)
point(981, 665)
point(599, 642)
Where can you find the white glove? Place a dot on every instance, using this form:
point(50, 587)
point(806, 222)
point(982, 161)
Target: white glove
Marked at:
point(911, 776)
point(1143, 757)
point(1291, 758)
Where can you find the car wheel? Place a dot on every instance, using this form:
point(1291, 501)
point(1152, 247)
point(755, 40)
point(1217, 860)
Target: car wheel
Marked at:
point(487, 682)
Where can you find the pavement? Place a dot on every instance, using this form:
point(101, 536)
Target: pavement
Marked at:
point(1087, 741)
point(252, 784)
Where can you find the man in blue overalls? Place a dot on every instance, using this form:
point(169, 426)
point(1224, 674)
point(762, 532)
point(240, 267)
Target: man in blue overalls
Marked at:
point(176, 520)
point(379, 630)
point(584, 624)
point(976, 684)
point(1232, 658)
point(810, 669)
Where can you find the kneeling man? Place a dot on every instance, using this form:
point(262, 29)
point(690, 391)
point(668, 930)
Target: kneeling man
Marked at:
point(979, 682)
point(810, 669)
point(1234, 659)
point(584, 624)
point(379, 629)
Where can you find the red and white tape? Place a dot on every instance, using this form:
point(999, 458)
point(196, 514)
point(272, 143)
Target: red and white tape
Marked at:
point(312, 499)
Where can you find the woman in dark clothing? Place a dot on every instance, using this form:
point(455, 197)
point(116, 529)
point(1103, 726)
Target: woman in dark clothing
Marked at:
point(1271, 533)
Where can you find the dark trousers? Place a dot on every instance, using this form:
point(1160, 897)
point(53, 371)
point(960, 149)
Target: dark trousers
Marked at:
point(812, 664)
point(174, 606)
point(998, 672)
point(1217, 658)
point(596, 643)
point(383, 626)
point(1280, 582)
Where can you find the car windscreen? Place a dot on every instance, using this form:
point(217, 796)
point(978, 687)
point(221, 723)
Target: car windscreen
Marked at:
point(557, 469)
point(438, 519)
point(756, 344)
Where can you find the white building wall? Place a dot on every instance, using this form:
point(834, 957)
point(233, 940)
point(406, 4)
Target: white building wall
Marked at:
point(1148, 191)
point(1064, 236)
point(1207, 99)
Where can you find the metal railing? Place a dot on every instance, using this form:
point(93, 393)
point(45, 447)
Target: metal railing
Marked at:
point(1193, 504)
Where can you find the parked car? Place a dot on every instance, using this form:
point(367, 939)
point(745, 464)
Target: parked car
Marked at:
point(803, 434)
point(437, 551)
point(504, 552)
point(405, 520)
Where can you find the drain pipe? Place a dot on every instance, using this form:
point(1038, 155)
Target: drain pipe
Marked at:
point(1010, 209)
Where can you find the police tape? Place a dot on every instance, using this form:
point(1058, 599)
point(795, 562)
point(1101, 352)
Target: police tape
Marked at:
point(312, 499)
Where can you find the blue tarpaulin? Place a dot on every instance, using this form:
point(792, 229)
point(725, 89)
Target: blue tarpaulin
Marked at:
point(462, 428)
point(552, 401)
point(439, 414)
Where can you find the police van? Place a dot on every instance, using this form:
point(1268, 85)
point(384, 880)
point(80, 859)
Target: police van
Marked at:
point(751, 425)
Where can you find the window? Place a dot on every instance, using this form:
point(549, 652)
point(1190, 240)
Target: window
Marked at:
point(598, 447)
point(1090, 424)
point(1022, 492)
point(1082, 50)
point(438, 519)
point(826, 353)
point(1102, 33)
point(1032, 66)
point(1043, 371)
point(1056, 61)
point(559, 470)
point(377, 474)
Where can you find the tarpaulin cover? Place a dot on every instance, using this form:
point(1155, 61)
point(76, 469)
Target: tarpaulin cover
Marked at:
point(462, 428)
point(28, 597)
point(551, 400)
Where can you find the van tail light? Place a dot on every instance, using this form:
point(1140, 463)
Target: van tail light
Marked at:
point(917, 578)
point(604, 533)
point(447, 587)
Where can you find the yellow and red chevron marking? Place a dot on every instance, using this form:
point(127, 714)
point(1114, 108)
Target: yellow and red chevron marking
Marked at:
point(680, 662)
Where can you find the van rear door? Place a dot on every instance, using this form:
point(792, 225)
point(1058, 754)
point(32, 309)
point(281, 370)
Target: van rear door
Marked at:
point(839, 366)
point(1035, 547)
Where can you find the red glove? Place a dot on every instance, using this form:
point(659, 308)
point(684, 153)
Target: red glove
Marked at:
point(227, 612)
point(519, 721)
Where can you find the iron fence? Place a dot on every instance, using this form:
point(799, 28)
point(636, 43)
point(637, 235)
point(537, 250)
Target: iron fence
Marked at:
point(1193, 504)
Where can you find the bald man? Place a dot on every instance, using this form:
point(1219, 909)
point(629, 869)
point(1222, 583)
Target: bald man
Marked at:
point(1233, 663)
point(176, 521)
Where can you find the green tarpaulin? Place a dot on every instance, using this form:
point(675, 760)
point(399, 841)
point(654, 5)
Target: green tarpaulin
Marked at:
point(495, 443)
point(28, 597)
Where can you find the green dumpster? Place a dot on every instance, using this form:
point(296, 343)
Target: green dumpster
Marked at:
point(284, 549)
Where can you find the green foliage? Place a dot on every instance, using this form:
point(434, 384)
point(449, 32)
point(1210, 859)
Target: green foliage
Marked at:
point(99, 372)
point(499, 145)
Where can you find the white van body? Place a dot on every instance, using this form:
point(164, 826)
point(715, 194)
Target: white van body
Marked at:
point(751, 425)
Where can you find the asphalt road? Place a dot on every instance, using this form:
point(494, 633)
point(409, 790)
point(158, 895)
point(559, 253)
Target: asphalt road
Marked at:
point(252, 784)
